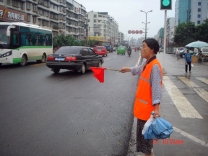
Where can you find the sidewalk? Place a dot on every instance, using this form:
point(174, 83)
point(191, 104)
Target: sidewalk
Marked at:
point(173, 67)
point(177, 67)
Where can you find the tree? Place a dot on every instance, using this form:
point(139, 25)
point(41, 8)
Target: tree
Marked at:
point(184, 34)
point(62, 40)
point(91, 43)
point(201, 32)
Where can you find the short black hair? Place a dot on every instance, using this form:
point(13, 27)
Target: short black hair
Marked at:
point(152, 44)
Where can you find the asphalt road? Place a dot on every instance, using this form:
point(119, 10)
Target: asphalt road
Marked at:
point(66, 114)
point(74, 115)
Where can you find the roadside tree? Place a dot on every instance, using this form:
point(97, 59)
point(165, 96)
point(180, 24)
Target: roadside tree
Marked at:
point(201, 32)
point(184, 34)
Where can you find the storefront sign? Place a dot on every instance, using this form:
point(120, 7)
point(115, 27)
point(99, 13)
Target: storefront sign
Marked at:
point(12, 15)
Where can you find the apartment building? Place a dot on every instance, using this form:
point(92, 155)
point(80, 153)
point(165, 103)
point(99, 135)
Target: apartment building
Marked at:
point(103, 26)
point(120, 38)
point(195, 11)
point(160, 37)
point(170, 23)
point(61, 16)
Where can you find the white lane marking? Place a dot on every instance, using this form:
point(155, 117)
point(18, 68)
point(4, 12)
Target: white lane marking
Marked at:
point(138, 60)
point(201, 92)
point(182, 104)
point(193, 138)
point(203, 79)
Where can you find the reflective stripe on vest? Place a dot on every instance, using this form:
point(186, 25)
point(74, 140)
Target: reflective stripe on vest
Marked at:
point(143, 101)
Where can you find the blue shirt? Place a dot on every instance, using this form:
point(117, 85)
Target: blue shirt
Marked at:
point(188, 57)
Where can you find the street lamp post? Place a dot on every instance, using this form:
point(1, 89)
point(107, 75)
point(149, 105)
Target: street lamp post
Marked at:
point(146, 22)
point(87, 29)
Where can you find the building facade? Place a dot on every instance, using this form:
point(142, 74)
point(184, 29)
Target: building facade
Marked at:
point(103, 26)
point(170, 23)
point(195, 11)
point(61, 16)
point(160, 37)
point(120, 38)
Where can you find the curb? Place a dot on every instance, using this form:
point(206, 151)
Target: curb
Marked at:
point(132, 141)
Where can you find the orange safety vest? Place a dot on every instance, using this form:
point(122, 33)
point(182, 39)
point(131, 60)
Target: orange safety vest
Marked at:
point(143, 101)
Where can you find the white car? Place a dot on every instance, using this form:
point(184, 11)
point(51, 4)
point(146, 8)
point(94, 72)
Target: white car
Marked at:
point(204, 50)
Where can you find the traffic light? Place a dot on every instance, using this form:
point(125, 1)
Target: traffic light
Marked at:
point(165, 4)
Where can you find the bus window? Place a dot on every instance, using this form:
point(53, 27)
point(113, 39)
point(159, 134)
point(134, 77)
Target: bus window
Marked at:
point(23, 40)
point(3, 38)
point(15, 39)
point(49, 40)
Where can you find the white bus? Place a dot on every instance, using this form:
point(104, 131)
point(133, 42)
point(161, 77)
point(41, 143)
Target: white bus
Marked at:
point(21, 42)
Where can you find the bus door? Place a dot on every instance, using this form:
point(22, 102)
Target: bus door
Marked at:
point(15, 45)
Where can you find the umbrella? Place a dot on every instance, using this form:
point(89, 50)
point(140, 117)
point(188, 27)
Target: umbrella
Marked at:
point(159, 129)
point(197, 44)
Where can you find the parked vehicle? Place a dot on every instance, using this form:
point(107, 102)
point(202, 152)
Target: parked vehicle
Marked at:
point(114, 48)
point(121, 50)
point(75, 58)
point(204, 51)
point(101, 50)
point(108, 46)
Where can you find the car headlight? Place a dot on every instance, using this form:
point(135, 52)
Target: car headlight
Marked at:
point(6, 54)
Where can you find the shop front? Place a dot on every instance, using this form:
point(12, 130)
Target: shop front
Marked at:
point(10, 15)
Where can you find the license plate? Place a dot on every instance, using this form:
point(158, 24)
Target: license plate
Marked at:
point(59, 59)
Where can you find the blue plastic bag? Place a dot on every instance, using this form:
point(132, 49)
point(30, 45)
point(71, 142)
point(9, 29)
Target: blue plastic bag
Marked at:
point(159, 129)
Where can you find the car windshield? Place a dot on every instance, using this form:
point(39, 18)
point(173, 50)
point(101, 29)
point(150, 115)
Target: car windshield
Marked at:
point(181, 48)
point(105, 44)
point(68, 50)
point(3, 38)
point(98, 47)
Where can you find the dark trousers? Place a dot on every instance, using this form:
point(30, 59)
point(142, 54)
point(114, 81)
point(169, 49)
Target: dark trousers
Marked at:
point(186, 66)
point(142, 145)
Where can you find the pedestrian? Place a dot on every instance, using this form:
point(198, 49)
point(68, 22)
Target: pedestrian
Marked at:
point(149, 91)
point(188, 58)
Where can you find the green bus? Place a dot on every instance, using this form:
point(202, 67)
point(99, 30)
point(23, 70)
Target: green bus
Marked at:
point(22, 42)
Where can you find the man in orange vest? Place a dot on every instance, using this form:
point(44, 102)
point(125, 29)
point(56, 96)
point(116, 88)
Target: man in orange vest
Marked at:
point(149, 91)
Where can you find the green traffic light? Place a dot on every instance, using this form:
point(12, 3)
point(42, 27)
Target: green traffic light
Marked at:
point(166, 2)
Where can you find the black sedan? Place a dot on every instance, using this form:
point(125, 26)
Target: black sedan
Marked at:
point(75, 58)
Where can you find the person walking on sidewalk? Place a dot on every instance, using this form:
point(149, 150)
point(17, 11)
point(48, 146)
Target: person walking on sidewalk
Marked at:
point(188, 58)
point(149, 91)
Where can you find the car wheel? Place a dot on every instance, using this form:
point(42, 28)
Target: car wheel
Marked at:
point(43, 60)
point(24, 60)
point(56, 70)
point(106, 54)
point(83, 69)
point(0, 64)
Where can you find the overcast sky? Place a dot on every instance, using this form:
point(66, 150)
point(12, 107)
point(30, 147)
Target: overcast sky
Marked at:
point(128, 15)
